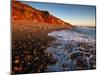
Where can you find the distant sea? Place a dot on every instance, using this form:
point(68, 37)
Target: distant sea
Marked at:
point(86, 30)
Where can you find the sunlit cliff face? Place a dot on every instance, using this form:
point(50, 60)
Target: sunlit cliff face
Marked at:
point(24, 12)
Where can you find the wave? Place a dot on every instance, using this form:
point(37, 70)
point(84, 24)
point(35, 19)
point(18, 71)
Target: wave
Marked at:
point(74, 49)
point(77, 35)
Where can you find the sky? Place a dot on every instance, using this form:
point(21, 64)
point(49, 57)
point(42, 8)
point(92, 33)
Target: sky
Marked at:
point(78, 15)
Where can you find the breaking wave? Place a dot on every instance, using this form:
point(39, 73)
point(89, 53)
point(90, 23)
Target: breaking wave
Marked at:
point(74, 49)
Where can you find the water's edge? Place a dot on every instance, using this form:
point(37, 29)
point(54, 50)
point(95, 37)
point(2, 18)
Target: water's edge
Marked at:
point(74, 49)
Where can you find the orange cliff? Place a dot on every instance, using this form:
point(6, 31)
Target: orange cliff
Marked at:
point(23, 12)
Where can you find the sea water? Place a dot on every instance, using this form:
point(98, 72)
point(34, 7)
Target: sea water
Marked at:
point(68, 42)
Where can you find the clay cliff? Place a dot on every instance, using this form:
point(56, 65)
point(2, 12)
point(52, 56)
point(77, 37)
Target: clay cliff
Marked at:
point(26, 13)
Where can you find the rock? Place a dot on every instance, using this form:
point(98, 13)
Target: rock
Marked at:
point(64, 65)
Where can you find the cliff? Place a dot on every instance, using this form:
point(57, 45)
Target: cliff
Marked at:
point(24, 13)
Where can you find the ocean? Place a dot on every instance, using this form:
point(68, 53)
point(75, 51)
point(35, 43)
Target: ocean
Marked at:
point(75, 49)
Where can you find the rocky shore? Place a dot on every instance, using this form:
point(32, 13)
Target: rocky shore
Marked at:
point(29, 55)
